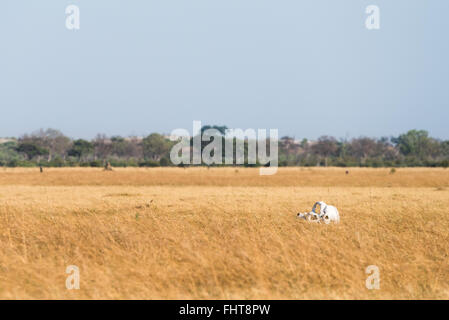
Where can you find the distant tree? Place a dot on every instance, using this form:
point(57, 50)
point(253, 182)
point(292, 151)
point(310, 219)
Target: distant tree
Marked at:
point(155, 146)
point(289, 151)
point(221, 129)
point(8, 152)
point(134, 147)
point(81, 148)
point(444, 147)
point(31, 150)
point(208, 136)
point(304, 143)
point(416, 143)
point(289, 145)
point(119, 146)
point(126, 147)
point(363, 148)
point(50, 139)
point(102, 146)
point(325, 147)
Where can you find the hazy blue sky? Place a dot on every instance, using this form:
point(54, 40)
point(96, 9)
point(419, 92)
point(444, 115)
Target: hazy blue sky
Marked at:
point(307, 68)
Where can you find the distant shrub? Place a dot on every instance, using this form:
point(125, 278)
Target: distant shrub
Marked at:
point(165, 162)
point(56, 162)
point(96, 163)
point(20, 163)
point(149, 163)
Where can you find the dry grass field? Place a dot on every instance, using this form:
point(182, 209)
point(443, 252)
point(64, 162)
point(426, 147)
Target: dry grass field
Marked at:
point(223, 233)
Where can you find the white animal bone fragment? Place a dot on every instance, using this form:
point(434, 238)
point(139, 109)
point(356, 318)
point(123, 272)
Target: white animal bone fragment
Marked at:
point(327, 214)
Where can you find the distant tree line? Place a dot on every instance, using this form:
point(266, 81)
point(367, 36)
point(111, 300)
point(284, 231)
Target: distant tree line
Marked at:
point(51, 148)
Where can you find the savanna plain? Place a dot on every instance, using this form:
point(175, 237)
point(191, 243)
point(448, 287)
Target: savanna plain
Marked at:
point(223, 233)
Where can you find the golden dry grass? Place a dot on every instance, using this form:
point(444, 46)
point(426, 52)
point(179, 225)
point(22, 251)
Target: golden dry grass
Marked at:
point(223, 233)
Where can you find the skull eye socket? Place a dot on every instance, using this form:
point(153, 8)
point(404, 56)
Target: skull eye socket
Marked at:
point(326, 219)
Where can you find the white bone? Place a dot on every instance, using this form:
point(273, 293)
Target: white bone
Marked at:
point(327, 214)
